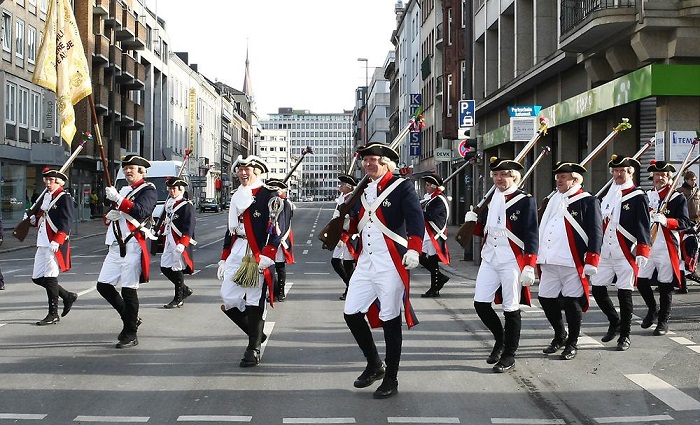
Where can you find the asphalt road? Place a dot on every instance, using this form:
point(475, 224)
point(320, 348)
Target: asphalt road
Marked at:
point(185, 368)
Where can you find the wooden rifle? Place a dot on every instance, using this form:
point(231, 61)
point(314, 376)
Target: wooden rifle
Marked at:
point(158, 245)
point(663, 205)
point(624, 125)
point(636, 156)
point(22, 228)
point(330, 235)
point(466, 231)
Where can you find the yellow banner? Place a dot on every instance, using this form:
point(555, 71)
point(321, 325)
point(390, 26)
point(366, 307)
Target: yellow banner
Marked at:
point(61, 65)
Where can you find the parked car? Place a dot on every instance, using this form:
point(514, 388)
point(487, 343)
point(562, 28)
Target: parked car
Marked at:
point(209, 204)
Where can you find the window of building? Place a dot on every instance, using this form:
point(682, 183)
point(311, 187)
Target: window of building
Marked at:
point(31, 44)
point(44, 5)
point(34, 111)
point(10, 99)
point(23, 107)
point(449, 26)
point(448, 95)
point(19, 38)
point(6, 32)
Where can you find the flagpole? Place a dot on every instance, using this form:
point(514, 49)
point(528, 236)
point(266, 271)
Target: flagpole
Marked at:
point(98, 137)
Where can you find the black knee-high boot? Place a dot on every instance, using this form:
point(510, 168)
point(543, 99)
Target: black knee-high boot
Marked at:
point(511, 341)
point(68, 298)
point(256, 324)
point(430, 264)
point(493, 323)
point(363, 336)
point(624, 297)
point(393, 340)
point(50, 284)
point(130, 316)
point(337, 264)
point(349, 266)
point(665, 300)
point(644, 288)
point(177, 278)
point(574, 315)
point(600, 294)
point(281, 269)
point(552, 311)
point(240, 318)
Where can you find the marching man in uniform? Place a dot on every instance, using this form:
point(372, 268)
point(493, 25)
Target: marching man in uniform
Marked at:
point(344, 254)
point(509, 256)
point(625, 249)
point(127, 263)
point(665, 251)
point(436, 213)
point(571, 233)
point(285, 252)
point(250, 246)
point(390, 224)
point(178, 230)
point(53, 247)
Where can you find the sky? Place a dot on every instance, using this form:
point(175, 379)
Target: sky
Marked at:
point(303, 53)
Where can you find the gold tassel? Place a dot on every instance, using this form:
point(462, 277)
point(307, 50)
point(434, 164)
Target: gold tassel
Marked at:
point(247, 275)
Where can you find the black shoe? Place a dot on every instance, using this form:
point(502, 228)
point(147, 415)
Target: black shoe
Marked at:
point(68, 303)
point(661, 328)
point(122, 334)
point(50, 319)
point(251, 358)
point(430, 294)
point(504, 365)
point(186, 293)
point(441, 281)
point(555, 345)
point(388, 388)
point(569, 352)
point(372, 373)
point(649, 319)
point(2, 286)
point(174, 304)
point(623, 344)
point(342, 297)
point(613, 330)
point(127, 342)
point(678, 291)
point(495, 355)
point(280, 298)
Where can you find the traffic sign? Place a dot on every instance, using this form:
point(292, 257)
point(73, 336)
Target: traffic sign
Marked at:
point(466, 113)
point(414, 99)
point(462, 149)
point(414, 143)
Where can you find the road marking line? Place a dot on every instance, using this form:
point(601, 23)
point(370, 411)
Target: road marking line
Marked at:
point(308, 242)
point(311, 235)
point(681, 340)
point(87, 291)
point(267, 330)
point(523, 421)
point(198, 246)
point(632, 419)
point(318, 420)
point(422, 420)
point(140, 419)
point(587, 341)
point(213, 418)
point(19, 416)
point(316, 262)
point(304, 252)
point(672, 396)
point(695, 348)
point(319, 273)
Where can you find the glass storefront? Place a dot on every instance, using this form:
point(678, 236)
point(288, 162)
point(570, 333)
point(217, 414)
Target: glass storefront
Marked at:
point(13, 192)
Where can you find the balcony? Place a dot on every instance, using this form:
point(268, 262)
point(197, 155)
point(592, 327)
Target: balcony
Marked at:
point(138, 42)
point(137, 81)
point(100, 7)
point(584, 23)
point(128, 70)
point(438, 86)
point(101, 95)
point(128, 27)
point(128, 113)
point(114, 19)
point(438, 36)
point(100, 57)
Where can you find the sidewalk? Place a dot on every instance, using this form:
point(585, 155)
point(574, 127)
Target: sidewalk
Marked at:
point(79, 230)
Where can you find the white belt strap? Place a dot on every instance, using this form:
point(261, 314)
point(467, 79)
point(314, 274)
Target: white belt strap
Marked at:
point(577, 227)
point(49, 222)
point(627, 236)
point(370, 209)
point(516, 240)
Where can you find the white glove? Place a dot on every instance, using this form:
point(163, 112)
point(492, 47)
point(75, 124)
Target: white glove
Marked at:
point(54, 246)
point(221, 270)
point(659, 218)
point(346, 223)
point(589, 269)
point(113, 215)
point(641, 261)
point(410, 259)
point(340, 244)
point(471, 215)
point(527, 276)
point(179, 248)
point(32, 219)
point(336, 213)
point(112, 193)
point(264, 263)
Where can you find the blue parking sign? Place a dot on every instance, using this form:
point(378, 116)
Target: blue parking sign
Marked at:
point(466, 113)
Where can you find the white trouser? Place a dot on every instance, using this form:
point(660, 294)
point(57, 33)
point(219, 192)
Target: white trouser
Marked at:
point(45, 264)
point(234, 295)
point(659, 260)
point(172, 259)
point(367, 285)
point(559, 279)
point(491, 276)
point(122, 271)
point(610, 267)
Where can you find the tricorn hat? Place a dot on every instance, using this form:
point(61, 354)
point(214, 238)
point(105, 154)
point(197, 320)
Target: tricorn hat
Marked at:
point(250, 161)
point(134, 159)
point(276, 184)
point(352, 181)
point(568, 167)
point(175, 181)
point(660, 166)
point(433, 179)
point(48, 172)
point(500, 164)
point(618, 161)
point(378, 149)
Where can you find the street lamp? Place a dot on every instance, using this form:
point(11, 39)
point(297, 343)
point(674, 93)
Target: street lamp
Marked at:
point(364, 130)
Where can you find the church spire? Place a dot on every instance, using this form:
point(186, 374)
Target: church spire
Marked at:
point(247, 85)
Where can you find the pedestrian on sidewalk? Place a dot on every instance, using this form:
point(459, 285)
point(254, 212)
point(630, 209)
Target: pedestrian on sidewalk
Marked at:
point(435, 213)
point(626, 239)
point(2, 238)
point(178, 230)
point(509, 255)
point(571, 234)
point(689, 237)
point(344, 254)
point(53, 246)
point(127, 263)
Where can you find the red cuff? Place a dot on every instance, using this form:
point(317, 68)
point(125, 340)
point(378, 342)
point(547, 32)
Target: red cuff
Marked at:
point(592, 258)
point(530, 260)
point(126, 205)
point(415, 243)
point(225, 253)
point(478, 230)
point(643, 250)
point(269, 251)
point(672, 223)
point(60, 237)
point(185, 240)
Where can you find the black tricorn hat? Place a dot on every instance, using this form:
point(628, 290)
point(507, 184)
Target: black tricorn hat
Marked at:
point(352, 181)
point(250, 161)
point(134, 159)
point(618, 161)
point(433, 179)
point(276, 184)
point(500, 164)
point(175, 181)
point(660, 166)
point(48, 172)
point(568, 167)
point(378, 149)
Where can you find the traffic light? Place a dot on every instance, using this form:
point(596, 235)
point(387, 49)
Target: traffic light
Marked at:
point(471, 151)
